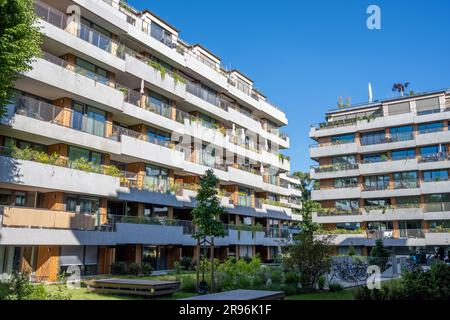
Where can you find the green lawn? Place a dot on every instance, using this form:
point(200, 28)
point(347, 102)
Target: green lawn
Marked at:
point(85, 294)
point(346, 294)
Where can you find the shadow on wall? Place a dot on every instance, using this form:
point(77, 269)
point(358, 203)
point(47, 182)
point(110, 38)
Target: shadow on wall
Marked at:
point(9, 173)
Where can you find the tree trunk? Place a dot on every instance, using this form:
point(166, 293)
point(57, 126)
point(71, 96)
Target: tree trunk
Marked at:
point(212, 264)
point(198, 264)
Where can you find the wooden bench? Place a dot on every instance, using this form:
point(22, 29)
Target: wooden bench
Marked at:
point(148, 288)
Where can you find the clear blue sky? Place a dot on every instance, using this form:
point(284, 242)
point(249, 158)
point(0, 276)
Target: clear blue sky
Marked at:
point(305, 54)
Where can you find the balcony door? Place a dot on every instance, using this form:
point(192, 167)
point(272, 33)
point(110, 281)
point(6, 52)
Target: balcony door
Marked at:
point(88, 119)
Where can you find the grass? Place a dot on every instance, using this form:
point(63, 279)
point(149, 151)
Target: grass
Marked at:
point(346, 294)
point(85, 294)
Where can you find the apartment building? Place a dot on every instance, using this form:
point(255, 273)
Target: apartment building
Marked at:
point(106, 137)
point(383, 171)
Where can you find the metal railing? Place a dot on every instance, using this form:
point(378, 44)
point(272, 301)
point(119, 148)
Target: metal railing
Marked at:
point(40, 110)
point(82, 31)
point(436, 207)
point(332, 143)
point(81, 164)
point(435, 157)
point(335, 167)
point(406, 184)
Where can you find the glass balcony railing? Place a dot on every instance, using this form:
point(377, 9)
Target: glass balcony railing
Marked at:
point(335, 167)
point(78, 29)
point(435, 157)
point(333, 143)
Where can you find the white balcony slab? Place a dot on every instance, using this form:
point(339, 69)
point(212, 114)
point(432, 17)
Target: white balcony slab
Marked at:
point(335, 194)
point(75, 85)
point(153, 119)
point(333, 150)
point(274, 112)
point(337, 218)
point(390, 193)
point(207, 107)
point(433, 138)
point(107, 13)
point(128, 233)
point(435, 187)
point(53, 133)
point(245, 178)
point(38, 175)
point(142, 70)
point(437, 239)
point(276, 189)
point(29, 237)
point(199, 169)
point(434, 165)
point(334, 174)
point(348, 239)
point(432, 216)
point(151, 152)
point(387, 146)
point(432, 117)
point(162, 199)
point(160, 48)
point(393, 214)
point(81, 47)
point(407, 242)
point(332, 131)
point(388, 166)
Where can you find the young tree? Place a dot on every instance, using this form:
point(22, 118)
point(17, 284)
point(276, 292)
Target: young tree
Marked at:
point(400, 87)
point(205, 217)
point(310, 255)
point(306, 184)
point(20, 42)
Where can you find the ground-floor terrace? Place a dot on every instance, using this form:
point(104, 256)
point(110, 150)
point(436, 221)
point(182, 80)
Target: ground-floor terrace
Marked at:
point(49, 262)
point(44, 232)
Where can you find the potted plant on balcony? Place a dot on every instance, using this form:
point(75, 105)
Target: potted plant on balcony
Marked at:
point(400, 87)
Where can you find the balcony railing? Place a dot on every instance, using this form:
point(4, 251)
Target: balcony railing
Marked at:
point(81, 164)
point(82, 31)
point(40, 110)
point(333, 143)
point(381, 138)
point(337, 212)
point(435, 157)
point(406, 184)
point(437, 207)
point(335, 167)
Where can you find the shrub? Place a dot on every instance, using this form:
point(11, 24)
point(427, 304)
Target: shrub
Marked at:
point(186, 262)
point(178, 268)
point(134, 269)
point(290, 288)
point(19, 287)
point(146, 269)
point(321, 282)
point(334, 287)
point(188, 284)
point(119, 268)
point(433, 284)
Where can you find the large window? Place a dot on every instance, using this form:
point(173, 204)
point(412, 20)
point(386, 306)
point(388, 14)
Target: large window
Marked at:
point(380, 226)
point(158, 136)
point(347, 206)
point(161, 34)
point(373, 138)
point(376, 183)
point(156, 179)
point(159, 104)
point(88, 119)
point(348, 160)
point(95, 34)
point(404, 154)
point(435, 175)
point(430, 127)
point(401, 133)
point(374, 158)
point(405, 180)
point(407, 202)
point(208, 157)
point(93, 70)
point(346, 182)
point(347, 138)
point(437, 202)
point(76, 153)
point(82, 204)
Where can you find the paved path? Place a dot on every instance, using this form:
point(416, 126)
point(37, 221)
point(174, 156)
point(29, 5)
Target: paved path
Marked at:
point(241, 295)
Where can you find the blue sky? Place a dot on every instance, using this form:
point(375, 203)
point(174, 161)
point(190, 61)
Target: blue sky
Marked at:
point(305, 54)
